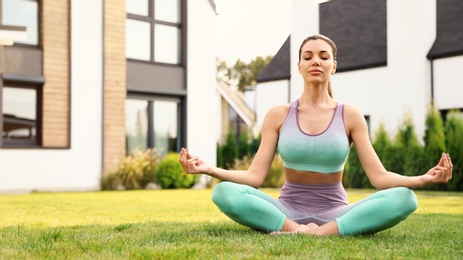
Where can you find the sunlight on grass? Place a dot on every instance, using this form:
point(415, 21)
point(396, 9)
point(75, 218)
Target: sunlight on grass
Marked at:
point(112, 208)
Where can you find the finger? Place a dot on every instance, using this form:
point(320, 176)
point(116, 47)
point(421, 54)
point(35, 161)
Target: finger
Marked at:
point(451, 167)
point(441, 161)
point(448, 172)
point(182, 155)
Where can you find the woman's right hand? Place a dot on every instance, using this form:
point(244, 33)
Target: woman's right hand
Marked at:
point(192, 164)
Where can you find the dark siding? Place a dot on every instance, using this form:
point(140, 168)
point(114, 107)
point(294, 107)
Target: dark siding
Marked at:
point(359, 29)
point(449, 35)
point(279, 67)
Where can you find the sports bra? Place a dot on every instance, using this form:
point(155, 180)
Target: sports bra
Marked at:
point(326, 152)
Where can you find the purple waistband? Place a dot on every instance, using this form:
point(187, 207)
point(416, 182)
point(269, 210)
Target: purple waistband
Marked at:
point(313, 197)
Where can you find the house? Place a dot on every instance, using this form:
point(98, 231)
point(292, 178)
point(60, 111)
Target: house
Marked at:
point(95, 79)
point(394, 57)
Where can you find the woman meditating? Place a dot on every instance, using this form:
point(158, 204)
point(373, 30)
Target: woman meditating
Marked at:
point(313, 136)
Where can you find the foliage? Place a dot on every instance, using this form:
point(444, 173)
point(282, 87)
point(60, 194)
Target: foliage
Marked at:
point(275, 176)
point(135, 171)
point(354, 174)
point(434, 140)
point(170, 174)
point(408, 150)
point(244, 148)
point(383, 146)
point(185, 224)
point(241, 74)
point(454, 134)
point(255, 142)
point(229, 150)
point(220, 160)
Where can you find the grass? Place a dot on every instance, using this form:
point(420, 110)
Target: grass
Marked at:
point(185, 224)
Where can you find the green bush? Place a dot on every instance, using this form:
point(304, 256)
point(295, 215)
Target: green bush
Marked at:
point(354, 174)
point(134, 172)
point(170, 174)
point(275, 176)
point(244, 148)
point(434, 141)
point(383, 147)
point(255, 142)
point(454, 134)
point(229, 150)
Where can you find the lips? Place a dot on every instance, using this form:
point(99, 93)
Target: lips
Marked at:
point(315, 71)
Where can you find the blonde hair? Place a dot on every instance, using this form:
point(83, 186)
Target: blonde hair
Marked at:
point(333, 48)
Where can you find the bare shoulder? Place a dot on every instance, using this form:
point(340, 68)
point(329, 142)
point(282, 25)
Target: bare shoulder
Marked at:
point(353, 116)
point(276, 115)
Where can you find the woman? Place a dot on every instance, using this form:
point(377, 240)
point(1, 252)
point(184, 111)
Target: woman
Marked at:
point(313, 136)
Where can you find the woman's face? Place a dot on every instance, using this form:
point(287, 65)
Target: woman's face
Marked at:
point(317, 61)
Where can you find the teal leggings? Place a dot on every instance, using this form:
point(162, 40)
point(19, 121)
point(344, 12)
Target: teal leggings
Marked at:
point(253, 208)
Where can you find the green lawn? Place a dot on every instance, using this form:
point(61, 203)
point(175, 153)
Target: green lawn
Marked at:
point(178, 224)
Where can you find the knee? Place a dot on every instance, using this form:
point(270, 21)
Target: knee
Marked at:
point(226, 196)
point(404, 201)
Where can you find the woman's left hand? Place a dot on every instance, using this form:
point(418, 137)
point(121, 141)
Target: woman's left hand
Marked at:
point(441, 173)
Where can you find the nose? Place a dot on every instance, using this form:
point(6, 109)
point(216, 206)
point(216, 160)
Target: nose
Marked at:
point(315, 62)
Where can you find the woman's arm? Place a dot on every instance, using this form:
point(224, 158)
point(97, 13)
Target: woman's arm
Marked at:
point(260, 165)
point(379, 177)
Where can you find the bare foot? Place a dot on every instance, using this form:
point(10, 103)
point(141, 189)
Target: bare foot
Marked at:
point(306, 229)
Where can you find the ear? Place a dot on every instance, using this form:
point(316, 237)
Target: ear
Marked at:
point(299, 67)
point(334, 67)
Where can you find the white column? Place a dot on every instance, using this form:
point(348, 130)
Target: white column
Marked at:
point(411, 31)
point(305, 23)
point(203, 106)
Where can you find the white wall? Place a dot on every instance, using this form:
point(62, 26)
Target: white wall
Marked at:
point(77, 168)
point(268, 95)
point(411, 31)
point(305, 23)
point(203, 105)
point(448, 82)
point(365, 89)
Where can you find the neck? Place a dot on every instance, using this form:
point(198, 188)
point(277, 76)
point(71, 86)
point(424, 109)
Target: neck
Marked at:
point(315, 95)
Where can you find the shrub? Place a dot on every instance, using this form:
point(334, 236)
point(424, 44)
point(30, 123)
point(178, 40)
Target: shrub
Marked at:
point(354, 174)
point(255, 144)
point(434, 140)
point(135, 171)
point(229, 150)
point(275, 176)
point(170, 174)
point(454, 134)
point(383, 147)
point(244, 148)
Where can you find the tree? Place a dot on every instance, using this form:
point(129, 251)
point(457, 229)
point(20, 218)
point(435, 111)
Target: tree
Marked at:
point(434, 139)
point(454, 137)
point(241, 74)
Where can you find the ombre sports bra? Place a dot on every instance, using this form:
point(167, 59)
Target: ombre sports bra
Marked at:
point(326, 152)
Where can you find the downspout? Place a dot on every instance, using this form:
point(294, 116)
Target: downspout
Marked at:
point(432, 80)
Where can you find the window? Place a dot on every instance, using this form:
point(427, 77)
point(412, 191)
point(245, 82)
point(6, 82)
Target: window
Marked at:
point(21, 116)
point(153, 30)
point(22, 13)
point(152, 124)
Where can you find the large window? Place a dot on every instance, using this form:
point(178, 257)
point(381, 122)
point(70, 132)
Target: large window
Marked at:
point(152, 124)
point(153, 30)
point(21, 116)
point(22, 13)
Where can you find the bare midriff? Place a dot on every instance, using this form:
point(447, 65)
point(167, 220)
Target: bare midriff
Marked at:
point(306, 177)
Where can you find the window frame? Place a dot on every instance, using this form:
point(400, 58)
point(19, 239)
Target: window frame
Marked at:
point(152, 22)
point(150, 99)
point(39, 31)
point(37, 142)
